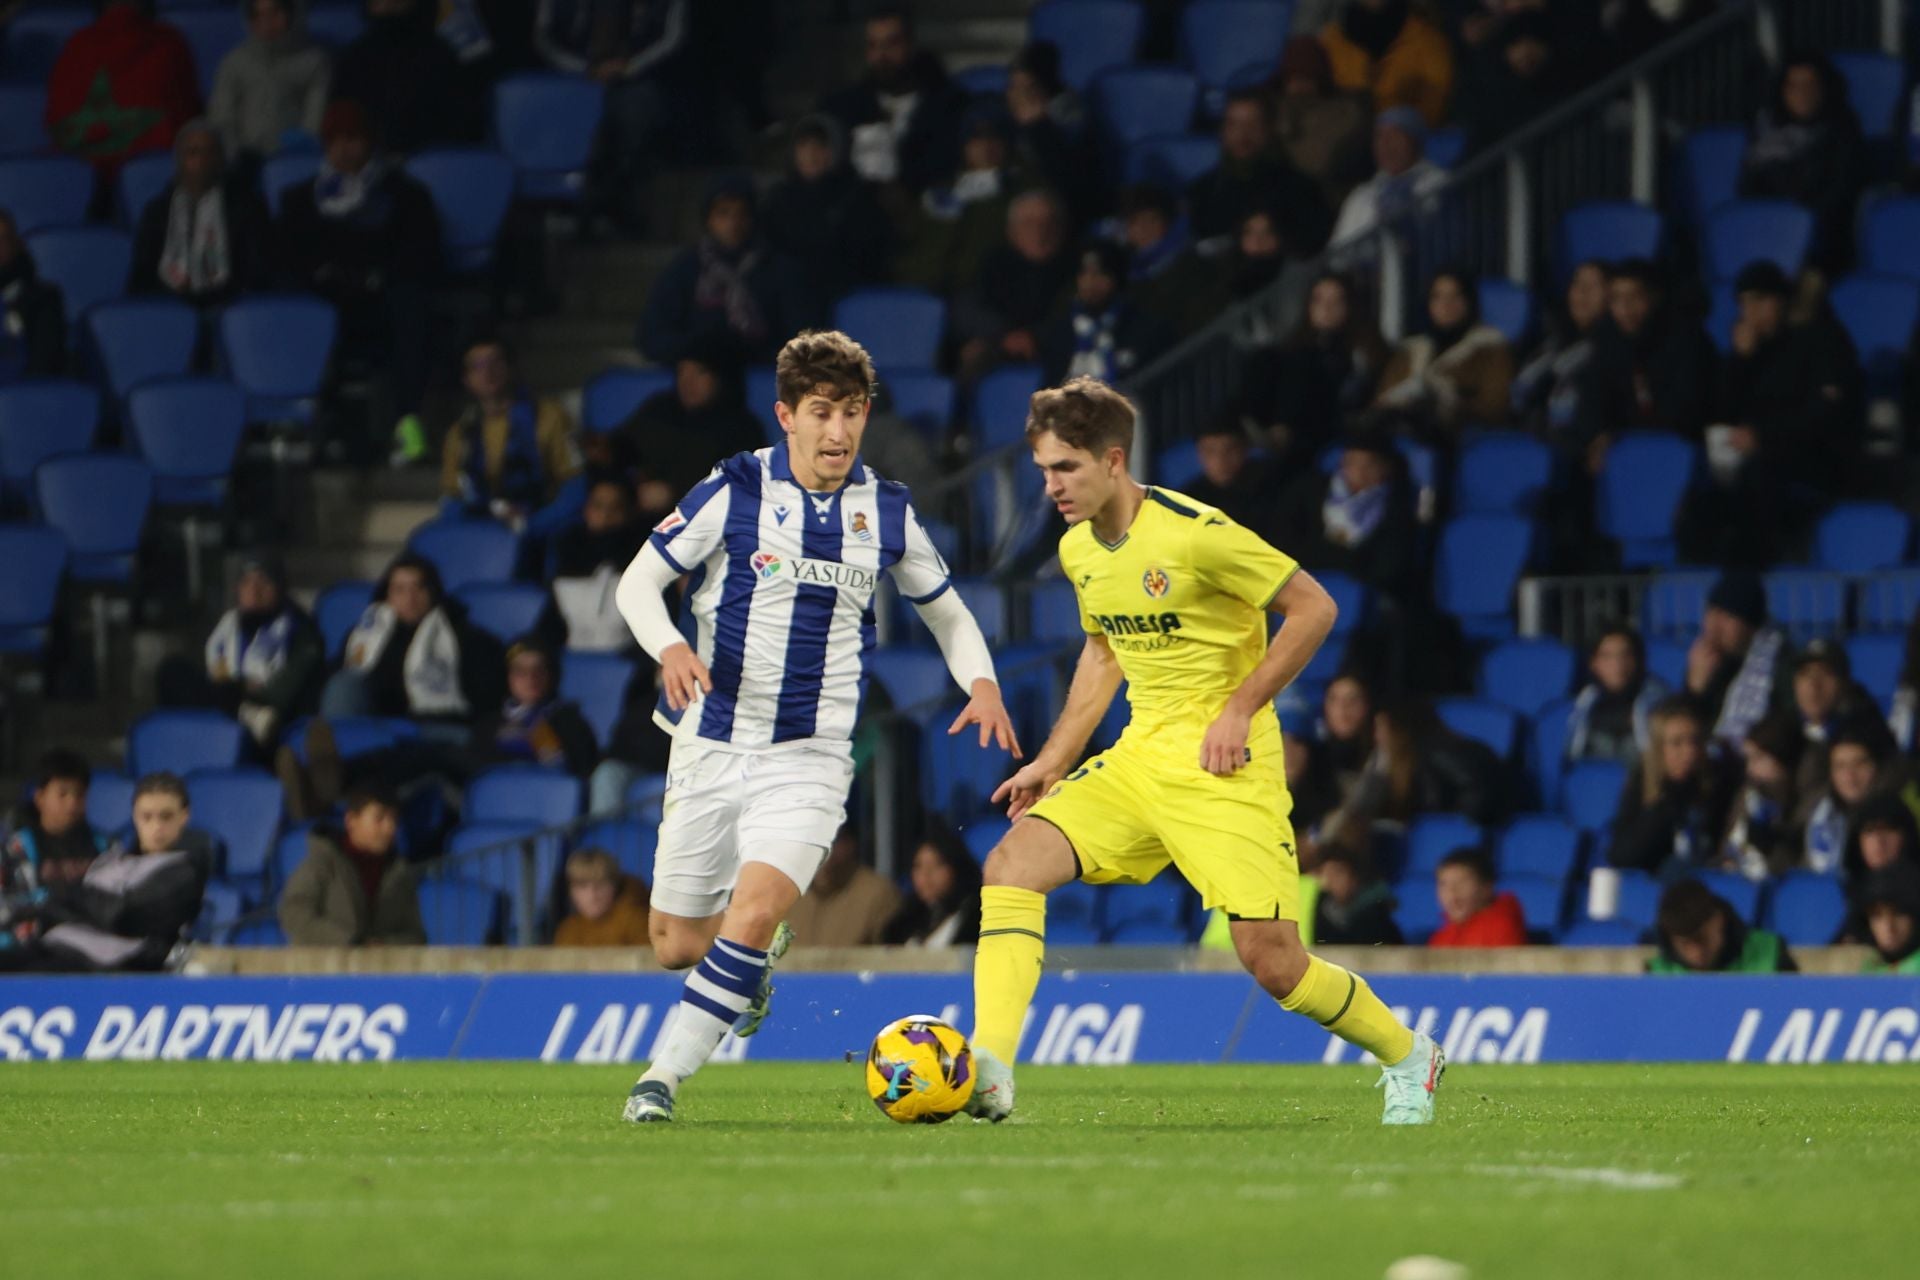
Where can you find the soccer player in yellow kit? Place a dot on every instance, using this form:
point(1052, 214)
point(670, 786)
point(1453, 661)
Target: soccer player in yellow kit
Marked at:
point(1173, 597)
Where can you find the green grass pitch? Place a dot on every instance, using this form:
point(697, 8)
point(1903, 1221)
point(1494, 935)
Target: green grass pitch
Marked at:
point(778, 1171)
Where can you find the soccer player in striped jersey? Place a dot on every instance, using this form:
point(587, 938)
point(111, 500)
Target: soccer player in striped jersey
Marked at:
point(784, 548)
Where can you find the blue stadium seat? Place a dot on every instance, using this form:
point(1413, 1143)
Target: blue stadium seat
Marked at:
point(504, 610)
point(1113, 723)
point(35, 35)
point(189, 431)
point(1601, 933)
point(914, 679)
point(1174, 162)
point(1526, 675)
point(1177, 465)
point(1000, 403)
point(1540, 845)
point(181, 741)
point(1219, 37)
point(33, 563)
point(1164, 905)
point(459, 912)
point(212, 34)
point(1890, 243)
point(337, 610)
point(1723, 312)
point(1644, 479)
point(109, 801)
point(645, 796)
point(1416, 909)
point(1431, 837)
point(922, 398)
point(1667, 659)
point(1877, 89)
point(221, 906)
point(1879, 313)
point(1479, 559)
point(1876, 661)
point(1744, 231)
point(1740, 893)
point(135, 339)
point(288, 169)
point(631, 842)
point(89, 264)
point(1135, 103)
point(1053, 612)
point(983, 833)
point(523, 793)
point(1350, 597)
point(1542, 902)
point(1710, 162)
point(1676, 602)
point(258, 933)
point(45, 191)
point(244, 808)
point(335, 25)
point(1446, 148)
point(1488, 723)
point(762, 394)
point(1807, 603)
point(988, 80)
point(1806, 909)
point(1590, 793)
point(278, 349)
point(598, 683)
point(1860, 537)
point(467, 551)
point(1639, 903)
point(1608, 231)
point(611, 396)
point(1889, 600)
point(100, 502)
point(1508, 307)
point(40, 419)
point(1502, 472)
point(354, 736)
point(957, 777)
point(546, 125)
point(988, 602)
point(1092, 35)
point(471, 189)
point(142, 180)
point(1547, 751)
point(1074, 912)
point(900, 327)
point(23, 130)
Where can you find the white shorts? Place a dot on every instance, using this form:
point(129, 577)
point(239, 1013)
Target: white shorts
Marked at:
point(724, 807)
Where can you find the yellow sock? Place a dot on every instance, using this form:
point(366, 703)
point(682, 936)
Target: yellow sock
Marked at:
point(1344, 1004)
point(1006, 968)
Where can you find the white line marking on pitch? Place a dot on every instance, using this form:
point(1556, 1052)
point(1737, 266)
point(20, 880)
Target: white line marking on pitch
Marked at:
point(1619, 1179)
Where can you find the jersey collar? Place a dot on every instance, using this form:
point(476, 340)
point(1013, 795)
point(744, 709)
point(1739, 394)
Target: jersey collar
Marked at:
point(782, 465)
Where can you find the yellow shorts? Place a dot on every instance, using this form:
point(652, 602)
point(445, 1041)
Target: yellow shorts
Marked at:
point(1146, 802)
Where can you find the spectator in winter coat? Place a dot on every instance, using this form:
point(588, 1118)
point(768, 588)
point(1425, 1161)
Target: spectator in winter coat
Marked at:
point(1700, 933)
point(510, 454)
point(1476, 916)
point(944, 910)
point(1404, 177)
point(1459, 372)
point(609, 907)
point(1807, 147)
point(352, 889)
point(962, 218)
point(731, 284)
point(588, 559)
point(412, 654)
point(903, 117)
point(1738, 668)
point(1611, 715)
point(1020, 285)
point(1861, 764)
point(1418, 766)
point(1524, 75)
point(1382, 46)
point(1230, 477)
point(849, 904)
point(365, 236)
point(1049, 138)
point(274, 84)
point(121, 86)
point(1651, 367)
point(1100, 333)
point(1890, 904)
point(1355, 908)
point(1358, 520)
point(49, 845)
point(676, 437)
point(33, 323)
point(1763, 836)
point(204, 237)
point(1546, 391)
point(1299, 393)
point(1253, 174)
point(405, 77)
point(1324, 130)
point(1825, 697)
point(825, 217)
point(263, 662)
point(1345, 731)
point(1674, 806)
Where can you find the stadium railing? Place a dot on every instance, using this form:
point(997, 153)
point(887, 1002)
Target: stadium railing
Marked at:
point(1499, 214)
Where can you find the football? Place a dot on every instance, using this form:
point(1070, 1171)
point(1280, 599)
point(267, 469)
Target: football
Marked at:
point(919, 1070)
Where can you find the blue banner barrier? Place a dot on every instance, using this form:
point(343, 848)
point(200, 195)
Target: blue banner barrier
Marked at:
point(1087, 1018)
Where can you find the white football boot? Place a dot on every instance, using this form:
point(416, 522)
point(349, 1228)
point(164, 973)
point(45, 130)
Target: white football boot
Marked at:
point(992, 1088)
point(1412, 1082)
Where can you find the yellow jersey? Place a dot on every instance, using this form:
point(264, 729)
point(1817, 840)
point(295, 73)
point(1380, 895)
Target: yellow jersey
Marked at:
point(1182, 599)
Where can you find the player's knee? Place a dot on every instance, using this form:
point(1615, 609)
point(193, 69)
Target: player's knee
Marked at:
point(752, 923)
point(1025, 859)
point(674, 948)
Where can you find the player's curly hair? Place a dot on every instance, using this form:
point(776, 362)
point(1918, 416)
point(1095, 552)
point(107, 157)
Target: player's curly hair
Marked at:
point(820, 358)
point(1085, 413)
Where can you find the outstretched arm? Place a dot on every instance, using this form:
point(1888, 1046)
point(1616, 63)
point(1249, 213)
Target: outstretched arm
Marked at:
point(1309, 612)
point(971, 663)
point(1096, 678)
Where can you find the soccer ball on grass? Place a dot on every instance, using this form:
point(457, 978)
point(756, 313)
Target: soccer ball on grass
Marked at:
point(919, 1071)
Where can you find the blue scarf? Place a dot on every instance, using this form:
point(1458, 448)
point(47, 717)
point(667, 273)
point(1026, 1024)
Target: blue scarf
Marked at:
point(522, 478)
point(1752, 691)
point(1350, 518)
point(1093, 350)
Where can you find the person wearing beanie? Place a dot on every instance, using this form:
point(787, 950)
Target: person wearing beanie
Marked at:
point(730, 284)
point(1254, 174)
point(1863, 775)
point(1761, 839)
point(824, 217)
point(203, 239)
point(1404, 176)
point(1397, 55)
point(1738, 666)
point(263, 662)
point(406, 77)
point(1890, 906)
point(1099, 332)
point(272, 85)
point(122, 85)
point(365, 236)
point(1322, 128)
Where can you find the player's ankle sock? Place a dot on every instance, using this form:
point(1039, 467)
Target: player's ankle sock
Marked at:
point(1006, 968)
point(717, 991)
point(1344, 1004)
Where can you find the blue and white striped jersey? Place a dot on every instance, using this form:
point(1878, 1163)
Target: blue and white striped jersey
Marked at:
point(782, 592)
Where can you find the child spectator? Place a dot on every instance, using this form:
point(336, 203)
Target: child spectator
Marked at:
point(1610, 719)
point(352, 890)
point(204, 237)
point(1675, 803)
point(1700, 933)
point(121, 86)
point(903, 117)
point(731, 284)
point(50, 843)
point(849, 904)
point(1460, 372)
point(263, 663)
point(944, 909)
point(1354, 908)
point(272, 86)
point(1476, 916)
point(1763, 838)
point(1300, 393)
point(33, 322)
point(1399, 56)
point(406, 77)
point(1100, 333)
point(1252, 175)
point(510, 454)
point(1891, 904)
point(413, 655)
point(1322, 128)
point(609, 906)
point(1404, 177)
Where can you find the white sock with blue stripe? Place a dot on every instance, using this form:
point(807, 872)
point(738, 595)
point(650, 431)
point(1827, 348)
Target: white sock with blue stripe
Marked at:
point(718, 991)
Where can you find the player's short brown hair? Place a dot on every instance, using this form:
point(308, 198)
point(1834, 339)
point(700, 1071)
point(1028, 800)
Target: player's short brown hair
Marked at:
point(822, 358)
point(1085, 413)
